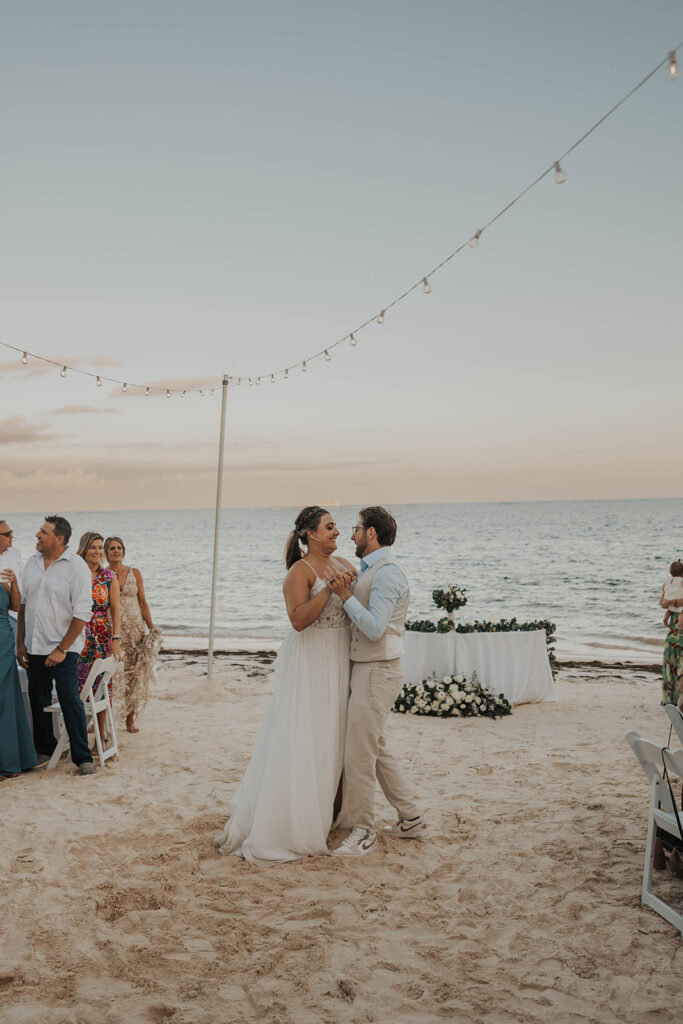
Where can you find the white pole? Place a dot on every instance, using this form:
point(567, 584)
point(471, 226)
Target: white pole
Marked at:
point(217, 528)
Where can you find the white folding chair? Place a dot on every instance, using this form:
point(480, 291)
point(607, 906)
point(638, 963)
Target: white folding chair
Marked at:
point(100, 673)
point(662, 813)
point(676, 719)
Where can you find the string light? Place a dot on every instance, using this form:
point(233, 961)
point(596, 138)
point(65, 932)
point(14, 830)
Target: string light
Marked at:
point(671, 65)
point(251, 383)
point(328, 357)
point(201, 394)
point(125, 387)
point(62, 372)
point(99, 381)
point(272, 378)
point(168, 393)
point(183, 393)
point(146, 392)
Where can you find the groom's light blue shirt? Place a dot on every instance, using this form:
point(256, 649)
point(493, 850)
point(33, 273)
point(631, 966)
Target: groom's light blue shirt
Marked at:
point(388, 588)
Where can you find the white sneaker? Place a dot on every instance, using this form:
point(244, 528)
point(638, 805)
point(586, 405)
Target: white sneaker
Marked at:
point(408, 828)
point(359, 841)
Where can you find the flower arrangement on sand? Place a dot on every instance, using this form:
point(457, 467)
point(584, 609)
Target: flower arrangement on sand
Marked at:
point(451, 697)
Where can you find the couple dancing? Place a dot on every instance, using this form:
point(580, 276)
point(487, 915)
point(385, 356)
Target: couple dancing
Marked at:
point(337, 675)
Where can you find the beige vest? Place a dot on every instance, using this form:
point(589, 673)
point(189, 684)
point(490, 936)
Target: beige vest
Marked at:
point(390, 645)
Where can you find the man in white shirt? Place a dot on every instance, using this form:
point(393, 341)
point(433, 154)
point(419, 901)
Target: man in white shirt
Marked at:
point(10, 558)
point(56, 604)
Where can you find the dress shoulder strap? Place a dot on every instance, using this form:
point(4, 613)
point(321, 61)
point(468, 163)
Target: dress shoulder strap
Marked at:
point(311, 568)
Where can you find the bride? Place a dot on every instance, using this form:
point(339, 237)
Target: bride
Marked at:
point(283, 807)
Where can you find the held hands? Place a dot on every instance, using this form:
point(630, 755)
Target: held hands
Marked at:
point(22, 655)
point(339, 582)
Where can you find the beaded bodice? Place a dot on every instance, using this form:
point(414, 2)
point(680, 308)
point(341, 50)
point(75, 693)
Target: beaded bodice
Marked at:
point(333, 615)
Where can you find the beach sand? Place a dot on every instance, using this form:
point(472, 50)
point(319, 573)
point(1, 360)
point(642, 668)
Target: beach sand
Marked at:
point(523, 906)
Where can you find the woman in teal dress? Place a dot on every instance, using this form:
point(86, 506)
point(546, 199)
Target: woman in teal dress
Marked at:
point(17, 753)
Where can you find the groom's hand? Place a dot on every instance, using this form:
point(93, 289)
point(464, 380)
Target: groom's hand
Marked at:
point(339, 584)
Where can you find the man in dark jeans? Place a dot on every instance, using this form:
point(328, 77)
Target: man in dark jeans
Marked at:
point(56, 603)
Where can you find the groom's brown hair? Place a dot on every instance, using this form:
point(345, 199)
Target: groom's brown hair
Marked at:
point(382, 522)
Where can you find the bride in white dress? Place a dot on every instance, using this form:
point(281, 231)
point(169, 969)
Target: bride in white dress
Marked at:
point(283, 808)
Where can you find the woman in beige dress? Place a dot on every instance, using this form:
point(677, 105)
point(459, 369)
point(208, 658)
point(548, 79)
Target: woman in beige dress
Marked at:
point(136, 619)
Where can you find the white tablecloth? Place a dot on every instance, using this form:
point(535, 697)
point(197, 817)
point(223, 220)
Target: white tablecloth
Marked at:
point(514, 664)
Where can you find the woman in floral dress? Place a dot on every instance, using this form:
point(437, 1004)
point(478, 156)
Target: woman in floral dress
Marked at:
point(99, 640)
point(672, 666)
point(141, 639)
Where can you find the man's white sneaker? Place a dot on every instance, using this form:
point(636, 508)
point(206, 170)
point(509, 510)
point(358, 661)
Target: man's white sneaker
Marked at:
point(359, 841)
point(411, 828)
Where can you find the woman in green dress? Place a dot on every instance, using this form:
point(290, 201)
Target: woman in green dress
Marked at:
point(672, 665)
point(17, 753)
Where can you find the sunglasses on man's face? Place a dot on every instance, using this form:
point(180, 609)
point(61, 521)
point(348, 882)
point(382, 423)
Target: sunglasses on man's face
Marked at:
point(7, 533)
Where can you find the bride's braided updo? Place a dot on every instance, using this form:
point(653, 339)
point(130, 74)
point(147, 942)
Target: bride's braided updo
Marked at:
point(308, 519)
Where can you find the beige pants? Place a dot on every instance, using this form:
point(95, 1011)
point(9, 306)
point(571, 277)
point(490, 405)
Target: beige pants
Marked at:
point(375, 686)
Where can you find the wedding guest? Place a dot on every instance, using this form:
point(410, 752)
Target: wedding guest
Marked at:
point(672, 665)
point(10, 558)
point(672, 591)
point(106, 611)
point(56, 604)
point(139, 654)
point(16, 747)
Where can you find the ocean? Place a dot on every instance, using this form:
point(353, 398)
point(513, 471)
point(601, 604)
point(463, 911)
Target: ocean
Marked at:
point(595, 568)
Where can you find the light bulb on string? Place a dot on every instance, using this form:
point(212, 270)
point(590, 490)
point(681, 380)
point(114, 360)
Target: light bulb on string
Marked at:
point(201, 394)
point(380, 318)
point(426, 286)
point(146, 392)
point(124, 388)
point(352, 339)
point(304, 367)
point(286, 375)
point(251, 382)
point(560, 176)
point(672, 70)
point(328, 357)
point(213, 390)
point(183, 393)
point(99, 381)
point(62, 372)
point(258, 380)
point(168, 393)
point(272, 378)
point(474, 240)
point(24, 358)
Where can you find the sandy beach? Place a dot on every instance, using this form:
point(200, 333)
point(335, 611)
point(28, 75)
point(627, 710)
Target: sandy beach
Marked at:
point(523, 906)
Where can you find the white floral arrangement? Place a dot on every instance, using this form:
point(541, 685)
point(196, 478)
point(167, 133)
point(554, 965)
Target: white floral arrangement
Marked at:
point(450, 598)
point(451, 697)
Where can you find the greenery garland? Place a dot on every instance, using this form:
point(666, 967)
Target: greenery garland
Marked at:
point(488, 626)
point(451, 697)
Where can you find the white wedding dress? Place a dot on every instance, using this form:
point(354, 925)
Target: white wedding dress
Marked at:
point(283, 808)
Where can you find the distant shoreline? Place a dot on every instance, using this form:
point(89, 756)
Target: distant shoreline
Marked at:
point(268, 647)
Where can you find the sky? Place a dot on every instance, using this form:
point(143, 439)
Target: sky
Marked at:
point(207, 188)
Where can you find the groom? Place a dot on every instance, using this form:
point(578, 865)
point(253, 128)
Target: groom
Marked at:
point(377, 609)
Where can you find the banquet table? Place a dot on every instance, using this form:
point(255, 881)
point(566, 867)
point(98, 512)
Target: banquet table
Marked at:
point(514, 664)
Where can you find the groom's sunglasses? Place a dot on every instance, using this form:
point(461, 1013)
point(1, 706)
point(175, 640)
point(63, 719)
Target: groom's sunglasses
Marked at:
point(7, 533)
